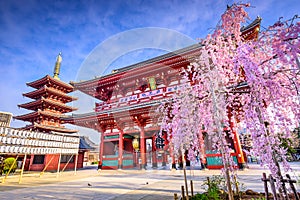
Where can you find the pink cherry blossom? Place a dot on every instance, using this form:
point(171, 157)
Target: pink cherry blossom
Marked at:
point(270, 107)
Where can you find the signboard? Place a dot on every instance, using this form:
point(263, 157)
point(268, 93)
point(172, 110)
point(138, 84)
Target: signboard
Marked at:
point(152, 83)
point(5, 119)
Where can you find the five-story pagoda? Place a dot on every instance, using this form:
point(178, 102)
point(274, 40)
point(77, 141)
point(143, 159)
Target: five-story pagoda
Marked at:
point(49, 105)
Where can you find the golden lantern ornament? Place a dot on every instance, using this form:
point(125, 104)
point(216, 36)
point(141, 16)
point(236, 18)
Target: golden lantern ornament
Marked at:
point(135, 144)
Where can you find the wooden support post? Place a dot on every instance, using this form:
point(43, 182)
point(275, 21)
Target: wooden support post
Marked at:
point(273, 188)
point(192, 188)
point(121, 147)
point(143, 147)
point(175, 196)
point(76, 162)
point(292, 186)
point(23, 165)
point(154, 154)
point(43, 171)
point(101, 150)
point(265, 180)
point(208, 182)
point(58, 165)
point(66, 164)
point(182, 193)
point(283, 191)
point(186, 186)
point(237, 187)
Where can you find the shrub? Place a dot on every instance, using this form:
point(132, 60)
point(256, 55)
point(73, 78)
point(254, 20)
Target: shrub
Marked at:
point(200, 197)
point(214, 187)
point(8, 162)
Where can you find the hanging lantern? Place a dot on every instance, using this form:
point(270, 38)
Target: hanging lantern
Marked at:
point(135, 144)
point(160, 141)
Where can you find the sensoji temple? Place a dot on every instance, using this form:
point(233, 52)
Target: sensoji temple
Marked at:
point(126, 115)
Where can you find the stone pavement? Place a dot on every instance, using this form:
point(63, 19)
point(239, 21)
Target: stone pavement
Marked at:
point(119, 184)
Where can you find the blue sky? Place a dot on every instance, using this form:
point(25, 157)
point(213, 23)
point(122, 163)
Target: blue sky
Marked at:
point(33, 32)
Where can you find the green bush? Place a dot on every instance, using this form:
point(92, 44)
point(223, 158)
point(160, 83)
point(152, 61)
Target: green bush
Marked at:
point(8, 162)
point(200, 197)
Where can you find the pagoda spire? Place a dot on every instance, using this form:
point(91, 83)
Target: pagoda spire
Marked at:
point(57, 66)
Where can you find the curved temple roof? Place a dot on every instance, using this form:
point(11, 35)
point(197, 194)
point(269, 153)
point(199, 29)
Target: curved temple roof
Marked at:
point(48, 80)
point(44, 102)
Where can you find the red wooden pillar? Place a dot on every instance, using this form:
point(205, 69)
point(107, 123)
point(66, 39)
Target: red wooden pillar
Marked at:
point(143, 148)
point(101, 150)
point(236, 141)
point(238, 147)
point(121, 147)
point(154, 155)
point(173, 156)
point(135, 159)
point(202, 151)
point(164, 158)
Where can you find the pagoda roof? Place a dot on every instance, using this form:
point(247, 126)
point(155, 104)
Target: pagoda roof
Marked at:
point(38, 103)
point(36, 94)
point(37, 126)
point(49, 80)
point(36, 114)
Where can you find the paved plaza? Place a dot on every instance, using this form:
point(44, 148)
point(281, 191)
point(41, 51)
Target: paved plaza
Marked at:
point(120, 184)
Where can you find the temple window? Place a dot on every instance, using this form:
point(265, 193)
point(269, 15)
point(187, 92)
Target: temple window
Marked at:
point(38, 159)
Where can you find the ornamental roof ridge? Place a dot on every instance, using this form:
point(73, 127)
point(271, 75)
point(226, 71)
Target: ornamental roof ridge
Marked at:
point(162, 57)
point(139, 64)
